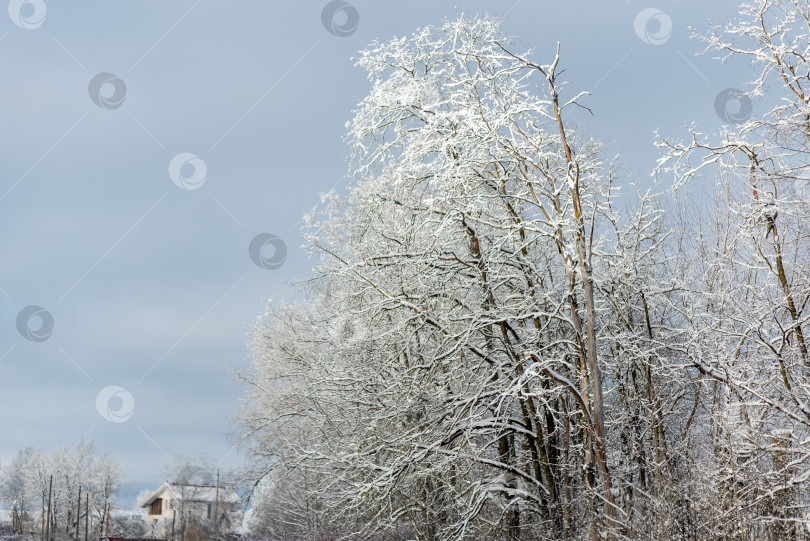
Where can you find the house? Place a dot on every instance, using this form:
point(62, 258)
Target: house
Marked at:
point(173, 507)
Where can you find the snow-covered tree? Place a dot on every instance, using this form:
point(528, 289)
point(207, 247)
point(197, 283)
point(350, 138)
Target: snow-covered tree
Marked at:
point(749, 281)
point(447, 375)
point(498, 344)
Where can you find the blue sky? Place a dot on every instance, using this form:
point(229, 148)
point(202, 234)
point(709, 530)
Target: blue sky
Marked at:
point(150, 284)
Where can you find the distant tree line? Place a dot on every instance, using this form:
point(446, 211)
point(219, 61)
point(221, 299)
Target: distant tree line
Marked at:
point(66, 493)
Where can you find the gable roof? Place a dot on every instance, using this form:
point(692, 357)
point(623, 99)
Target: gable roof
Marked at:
point(193, 493)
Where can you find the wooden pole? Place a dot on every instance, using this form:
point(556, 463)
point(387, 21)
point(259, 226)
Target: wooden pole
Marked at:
point(174, 516)
point(42, 519)
point(103, 517)
point(78, 511)
point(216, 506)
point(86, 515)
point(48, 518)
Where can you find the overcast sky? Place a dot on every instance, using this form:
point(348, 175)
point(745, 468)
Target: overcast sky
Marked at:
point(146, 144)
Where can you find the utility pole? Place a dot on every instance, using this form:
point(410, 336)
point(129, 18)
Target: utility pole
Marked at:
point(48, 518)
point(103, 520)
point(78, 512)
point(182, 521)
point(216, 505)
point(174, 516)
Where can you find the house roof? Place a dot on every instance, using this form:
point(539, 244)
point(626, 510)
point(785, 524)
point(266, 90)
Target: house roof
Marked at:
point(193, 493)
